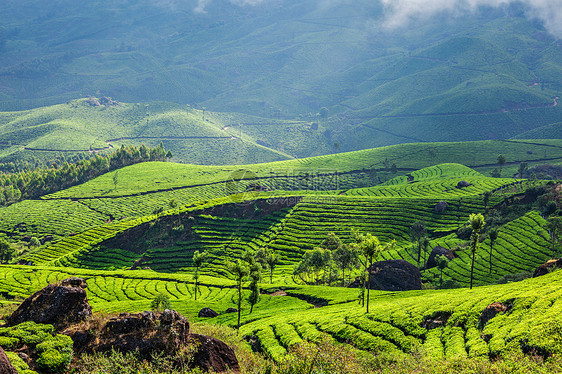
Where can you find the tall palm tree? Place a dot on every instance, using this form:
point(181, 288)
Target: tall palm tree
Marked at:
point(476, 222)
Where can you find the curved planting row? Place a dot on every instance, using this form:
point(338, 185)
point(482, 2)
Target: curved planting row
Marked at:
point(522, 245)
point(40, 218)
point(310, 221)
point(440, 188)
point(64, 252)
point(433, 172)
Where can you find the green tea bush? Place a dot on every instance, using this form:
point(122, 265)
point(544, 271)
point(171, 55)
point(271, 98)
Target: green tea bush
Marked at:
point(21, 366)
point(54, 351)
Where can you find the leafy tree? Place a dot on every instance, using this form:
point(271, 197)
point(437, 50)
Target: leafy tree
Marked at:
point(345, 258)
point(115, 179)
point(269, 259)
point(34, 242)
point(425, 244)
point(239, 271)
point(417, 233)
point(6, 251)
point(160, 302)
point(476, 222)
point(324, 112)
point(554, 225)
point(486, 199)
point(313, 264)
point(198, 260)
point(493, 236)
point(501, 163)
point(442, 263)
point(522, 169)
point(331, 242)
point(255, 276)
point(371, 248)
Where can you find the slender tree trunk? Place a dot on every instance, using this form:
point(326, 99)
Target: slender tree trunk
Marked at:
point(491, 249)
point(472, 267)
point(441, 279)
point(368, 289)
point(195, 291)
point(270, 275)
point(239, 304)
point(365, 281)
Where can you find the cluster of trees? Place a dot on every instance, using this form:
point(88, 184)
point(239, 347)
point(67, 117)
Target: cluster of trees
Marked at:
point(34, 162)
point(34, 183)
point(323, 264)
point(249, 267)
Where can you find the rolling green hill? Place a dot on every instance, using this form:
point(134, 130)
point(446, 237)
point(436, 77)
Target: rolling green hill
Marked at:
point(489, 75)
point(152, 216)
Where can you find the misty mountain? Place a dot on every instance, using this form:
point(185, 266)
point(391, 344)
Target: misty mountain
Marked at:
point(386, 74)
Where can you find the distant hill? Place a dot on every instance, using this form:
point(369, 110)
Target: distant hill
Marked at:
point(221, 138)
point(487, 75)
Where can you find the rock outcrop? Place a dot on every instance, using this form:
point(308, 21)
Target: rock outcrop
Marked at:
point(491, 311)
point(547, 267)
point(150, 332)
point(438, 251)
point(57, 304)
point(394, 275)
point(463, 184)
point(440, 207)
point(213, 354)
point(146, 332)
point(6, 366)
point(207, 313)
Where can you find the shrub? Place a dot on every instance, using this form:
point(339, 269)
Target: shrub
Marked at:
point(20, 365)
point(8, 342)
point(161, 302)
point(53, 361)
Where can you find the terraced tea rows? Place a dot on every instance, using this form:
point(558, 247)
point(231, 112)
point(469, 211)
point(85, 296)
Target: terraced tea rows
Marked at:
point(521, 246)
point(387, 218)
point(443, 189)
point(443, 324)
point(41, 218)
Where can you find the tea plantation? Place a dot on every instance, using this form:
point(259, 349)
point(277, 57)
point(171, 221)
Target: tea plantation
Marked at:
point(132, 234)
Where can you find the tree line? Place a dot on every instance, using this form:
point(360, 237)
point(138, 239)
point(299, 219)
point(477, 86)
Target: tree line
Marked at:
point(31, 184)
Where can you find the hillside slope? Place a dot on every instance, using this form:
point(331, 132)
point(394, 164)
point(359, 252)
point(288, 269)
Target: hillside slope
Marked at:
point(492, 74)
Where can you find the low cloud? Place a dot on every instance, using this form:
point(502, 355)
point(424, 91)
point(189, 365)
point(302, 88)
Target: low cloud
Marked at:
point(400, 13)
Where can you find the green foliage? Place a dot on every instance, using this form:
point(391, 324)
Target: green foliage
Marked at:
point(161, 302)
point(37, 182)
point(6, 251)
point(54, 351)
point(21, 366)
